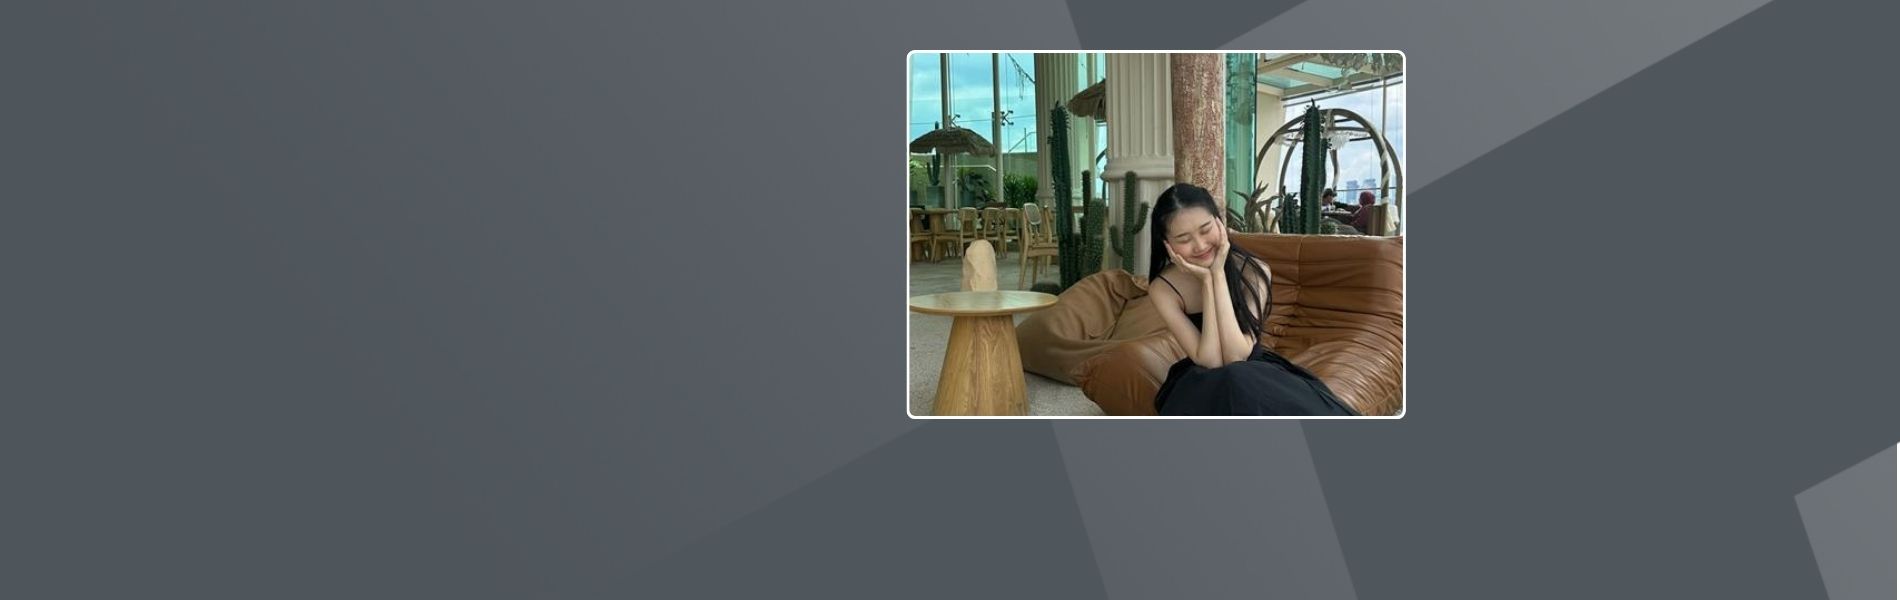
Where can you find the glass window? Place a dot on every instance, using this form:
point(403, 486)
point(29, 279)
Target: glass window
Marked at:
point(926, 93)
point(1359, 161)
point(926, 111)
point(1019, 105)
point(970, 93)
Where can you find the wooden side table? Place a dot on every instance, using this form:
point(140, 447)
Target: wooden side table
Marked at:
point(982, 368)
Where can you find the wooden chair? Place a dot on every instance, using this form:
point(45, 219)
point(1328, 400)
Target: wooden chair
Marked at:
point(919, 235)
point(949, 231)
point(1038, 244)
point(996, 230)
point(1012, 225)
point(990, 217)
point(972, 229)
point(1381, 221)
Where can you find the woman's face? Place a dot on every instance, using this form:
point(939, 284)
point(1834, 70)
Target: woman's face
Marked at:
point(1195, 234)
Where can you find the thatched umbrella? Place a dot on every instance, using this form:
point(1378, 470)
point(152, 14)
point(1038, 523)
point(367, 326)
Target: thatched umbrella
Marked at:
point(953, 140)
point(1091, 102)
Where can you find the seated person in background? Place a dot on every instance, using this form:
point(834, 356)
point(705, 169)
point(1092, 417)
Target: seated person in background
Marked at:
point(1328, 200)
point(1362, 219)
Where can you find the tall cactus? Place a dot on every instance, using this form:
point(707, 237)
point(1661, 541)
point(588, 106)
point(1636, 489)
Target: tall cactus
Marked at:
point(1070, 250)
point(1312, 169)
point(1290, 213)
point(1133, 217)
point(1080, 252)
point(1094, 222)
point(1067, 242)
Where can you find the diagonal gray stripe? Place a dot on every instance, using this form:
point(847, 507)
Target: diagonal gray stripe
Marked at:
point(1850, 523)
point(746, 449)
point(1486, 72)
point(1185, 25)
point(935, 514)
point(1626, 372)
point(1204, 510)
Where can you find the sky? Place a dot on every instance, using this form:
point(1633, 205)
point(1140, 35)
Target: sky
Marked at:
point(970, 90)
point(970, 96)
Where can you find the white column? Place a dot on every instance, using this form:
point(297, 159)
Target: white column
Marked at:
point(1140, 139)
point(996, 120)
point(949, 174)
point(1089, 78)
point(1269, 115)
point(1056, 84)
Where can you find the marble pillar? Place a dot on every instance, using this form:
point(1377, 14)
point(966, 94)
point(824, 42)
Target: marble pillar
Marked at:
point(1056, 83)
point(1140, 140)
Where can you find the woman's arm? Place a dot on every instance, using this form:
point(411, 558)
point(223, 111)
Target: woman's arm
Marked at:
point(1235, 345)
point(1212, 354)
point(1191, 339)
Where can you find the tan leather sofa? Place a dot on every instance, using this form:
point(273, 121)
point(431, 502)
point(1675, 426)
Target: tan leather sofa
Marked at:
point(1338, 310)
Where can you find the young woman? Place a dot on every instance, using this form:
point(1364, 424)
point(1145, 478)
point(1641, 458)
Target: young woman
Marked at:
point(1215, 297)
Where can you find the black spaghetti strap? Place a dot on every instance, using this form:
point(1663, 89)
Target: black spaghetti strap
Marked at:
point(1177, 291)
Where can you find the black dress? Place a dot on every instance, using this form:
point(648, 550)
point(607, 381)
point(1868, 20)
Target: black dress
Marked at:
point(1264, 384)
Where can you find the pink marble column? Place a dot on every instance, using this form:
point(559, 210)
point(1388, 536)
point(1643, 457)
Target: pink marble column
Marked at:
point(1199, 104)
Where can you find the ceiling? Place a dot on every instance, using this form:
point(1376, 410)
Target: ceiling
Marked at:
point(1291, 74)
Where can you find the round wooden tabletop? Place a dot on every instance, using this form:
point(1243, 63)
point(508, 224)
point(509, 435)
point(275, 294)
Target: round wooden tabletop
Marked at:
point(974, 304)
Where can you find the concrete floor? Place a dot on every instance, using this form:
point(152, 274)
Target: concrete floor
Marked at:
point(930, 333)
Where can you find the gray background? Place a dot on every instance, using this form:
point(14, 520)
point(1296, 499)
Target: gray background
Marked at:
point(490, 299)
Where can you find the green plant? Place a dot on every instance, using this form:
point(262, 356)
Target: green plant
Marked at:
point(1290, 213)
point(1079, 252)
point(1133, 217)
point(1019, 190)
point(976, 187)
point(1312, 169)
point(1253, 218)
point(919, 177)
point(1082, 254)
point(1067, 242)
point(1059, 158)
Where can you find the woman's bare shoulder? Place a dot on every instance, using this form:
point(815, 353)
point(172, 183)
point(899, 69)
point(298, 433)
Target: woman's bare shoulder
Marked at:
point(1263, 267)
point(1165, 275)
point(1170, 281)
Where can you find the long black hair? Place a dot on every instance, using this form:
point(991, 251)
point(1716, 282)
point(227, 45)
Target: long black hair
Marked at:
point(1247, 301)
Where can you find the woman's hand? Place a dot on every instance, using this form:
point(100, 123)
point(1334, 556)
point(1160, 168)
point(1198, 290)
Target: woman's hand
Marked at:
point(1191, 268)
point(1220, 252)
